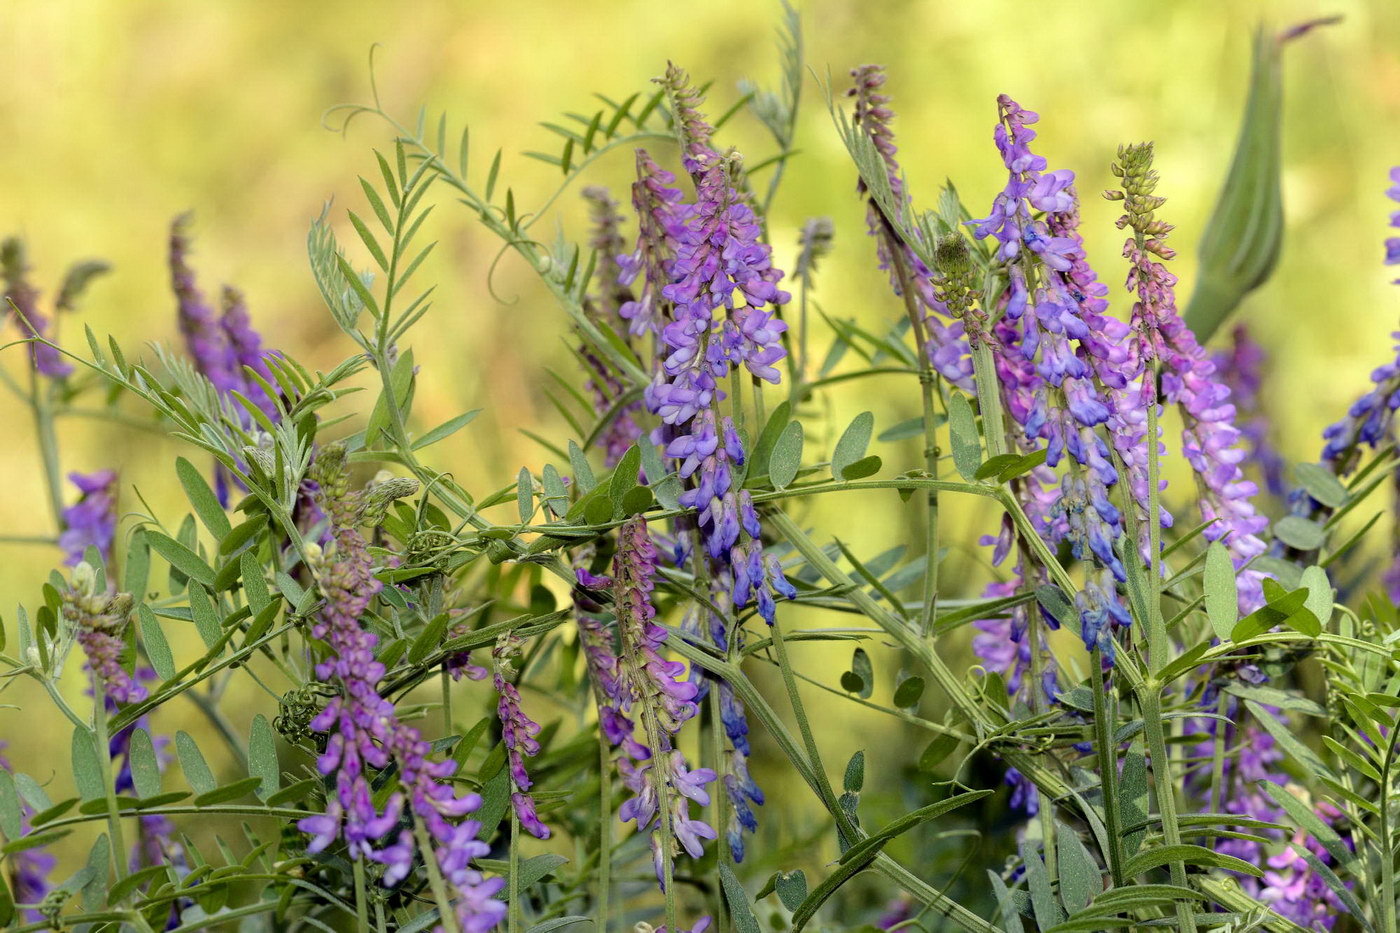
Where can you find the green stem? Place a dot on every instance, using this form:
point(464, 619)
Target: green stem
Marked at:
point(361, 901)
point(1157, 643)
point(48, 444)
point(984, 372)
point(513, 905)
point(446, 703)
point(435, 882)
point(104, 761)
point(1105, 722)
point(605, 816)
point(1150, 699)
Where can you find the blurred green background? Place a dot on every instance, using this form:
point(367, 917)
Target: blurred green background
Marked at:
point(116, 116)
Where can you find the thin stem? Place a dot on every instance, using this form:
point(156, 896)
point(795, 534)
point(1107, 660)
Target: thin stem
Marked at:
point(605, 816)
point(435, 882)
point(361, 902)
point(446, 703)
point(1150, 699)
point(104, 762)
point(513, 905)
point(48, 444)
point(1105, 721)
point(1157, 644)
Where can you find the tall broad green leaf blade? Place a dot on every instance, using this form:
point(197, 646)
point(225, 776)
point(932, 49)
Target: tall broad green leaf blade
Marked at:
point(1241, 243)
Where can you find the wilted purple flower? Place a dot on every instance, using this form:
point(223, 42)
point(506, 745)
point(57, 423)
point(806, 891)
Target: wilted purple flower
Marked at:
point(29, 869)
point(947, 345)
point(1241, 367)
point(661, 700)
point(92, 520)
point(14, 272)
point(365, 732)
point(622, 430)
point(1210, 440)
point(99, 620)
point(518, 733)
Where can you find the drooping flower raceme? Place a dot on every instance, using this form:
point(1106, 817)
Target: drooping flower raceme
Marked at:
point(92, 520)
point(1210, 440)
point(660, 700)
point(518, 733)
point(365, 732)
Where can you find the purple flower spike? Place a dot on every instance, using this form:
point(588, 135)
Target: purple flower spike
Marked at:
point(99, 621)
point(364, 731)
point(92, 520)
point(518, 733)
point(14, 272)
point(1210, 441)
point(657, 695)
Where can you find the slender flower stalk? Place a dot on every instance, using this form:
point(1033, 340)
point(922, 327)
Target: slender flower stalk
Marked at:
point(364, 732)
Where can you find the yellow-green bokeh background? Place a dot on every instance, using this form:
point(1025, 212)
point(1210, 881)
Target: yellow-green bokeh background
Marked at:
point(116, 115)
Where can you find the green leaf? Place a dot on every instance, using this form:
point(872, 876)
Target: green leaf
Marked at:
point(192, 762)
point(241, 534)
point(1275, 612)
point(1307, 819)
point(1158, 856)
point(937, 750)
point(145, 769)
point(1023, 465)
point(994, 465)
point(583, 473)
point(292, 792)
point(524, 496)
point(227, 792)
point(914, 427)
point(857, 857)
point(624, 477)
point(87, 772)
point(791, 887)
point(1290, 743)
point(1132, 799)
point(1043, 904)
point(400, 381)
point(206, 504)
point(1080, 878)
point(11, 817)
point(1222, 598)
point(447, 429)
point(180, 557)
point(254, 585)
point(908, 693)
point(1299, 533)
point(1054, 601)
point(157, 648)
point(740, 907)
point(206, 619)
point(862, 671)
point(262, 757)
point(94, 890)
point(637, 500)
point(865, 466)
point(967, 447)
point(33, 841)
point(429, 639)
point(1010, 916)
point(1320, 597)
point(1322, 484)
point(852, 444)
point(787, 456)
point(855, 774)
point(763, 450)
point(138, 565)
point(7, 901)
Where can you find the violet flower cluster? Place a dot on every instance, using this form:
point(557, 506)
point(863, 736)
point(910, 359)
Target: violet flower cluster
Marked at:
point(92, 520)
point(364, 732)
point(607, 389)
point(654, 692)
point(1241, 367)
point(99, 620)
point(21, 299)
point(1290, 886)
point(1211, 443)
point(28, 870)
point(518, 733)
point(1050, 323)
point(221, 344)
